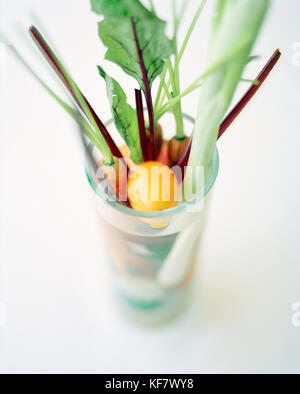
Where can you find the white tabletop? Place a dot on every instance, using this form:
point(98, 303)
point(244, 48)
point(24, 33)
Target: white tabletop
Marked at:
point(60, 314)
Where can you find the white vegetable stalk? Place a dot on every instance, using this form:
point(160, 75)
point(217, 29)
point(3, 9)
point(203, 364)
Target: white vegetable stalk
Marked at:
point(235, 28)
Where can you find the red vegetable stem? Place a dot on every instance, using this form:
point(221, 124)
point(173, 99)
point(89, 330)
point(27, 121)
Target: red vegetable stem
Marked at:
point(250, 93)
point(147, 92)
point(184, 157)
point(49, 54)
point(141, 121)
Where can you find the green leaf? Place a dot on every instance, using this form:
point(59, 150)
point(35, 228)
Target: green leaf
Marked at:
point(127, 8)
point(117, 35)
point(124, 115)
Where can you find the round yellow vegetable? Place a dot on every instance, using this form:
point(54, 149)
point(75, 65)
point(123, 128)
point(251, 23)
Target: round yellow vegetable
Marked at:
point(152, 186)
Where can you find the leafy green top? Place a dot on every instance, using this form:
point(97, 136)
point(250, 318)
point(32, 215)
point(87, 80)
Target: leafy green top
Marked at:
point(117, 35)
point(119, 8)
point(124, 115)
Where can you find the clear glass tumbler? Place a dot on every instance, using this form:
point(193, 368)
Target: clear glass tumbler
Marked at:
point(153, 254)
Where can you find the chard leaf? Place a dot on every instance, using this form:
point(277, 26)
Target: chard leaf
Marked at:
point(116, 33)
point(127, 8)
point(124, 115)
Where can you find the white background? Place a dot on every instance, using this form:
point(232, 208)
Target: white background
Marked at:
point(53, 267)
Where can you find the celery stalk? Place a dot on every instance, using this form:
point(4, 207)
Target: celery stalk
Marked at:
point(236, 25)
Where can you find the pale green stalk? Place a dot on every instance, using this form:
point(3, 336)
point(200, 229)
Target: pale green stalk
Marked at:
point(171, 72)
point(189, 32)
point(177, 111)
point(164, 95)
point(234, 51)
point(166, 90)
point(175, 81)
point(253, 82)
point(20, 30)
point(108, 158)
point(160, 88)
point(36, 20)
point(71, 111)
point(85, 109)
point(236, 25)
point(168, 106)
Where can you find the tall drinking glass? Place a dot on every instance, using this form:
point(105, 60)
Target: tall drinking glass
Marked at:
point(153, 254)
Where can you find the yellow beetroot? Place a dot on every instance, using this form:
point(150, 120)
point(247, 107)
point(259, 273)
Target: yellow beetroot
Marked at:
point(152, 186)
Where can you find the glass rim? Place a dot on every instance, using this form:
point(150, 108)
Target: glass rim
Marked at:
point(166, 212)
